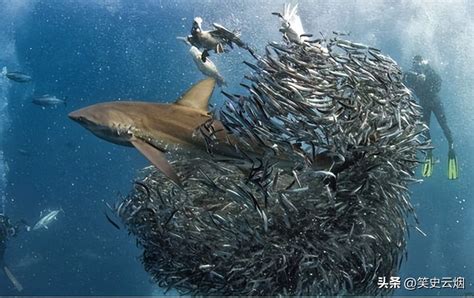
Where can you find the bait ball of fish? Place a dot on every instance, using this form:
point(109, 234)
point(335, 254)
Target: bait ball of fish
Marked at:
point(285, 230)
point(218, 238)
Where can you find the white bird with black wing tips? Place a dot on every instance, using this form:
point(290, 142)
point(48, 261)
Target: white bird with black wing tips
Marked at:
point(291, 25)
point(214, 40)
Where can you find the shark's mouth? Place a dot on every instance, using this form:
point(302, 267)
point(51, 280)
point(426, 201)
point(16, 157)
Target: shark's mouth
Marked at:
point(118, 134)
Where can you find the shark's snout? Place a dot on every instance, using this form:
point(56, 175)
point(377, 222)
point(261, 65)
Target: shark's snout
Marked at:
point(81, 116)
point(76, 116)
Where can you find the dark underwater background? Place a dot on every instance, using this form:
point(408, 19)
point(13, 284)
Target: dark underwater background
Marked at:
point(94, 51)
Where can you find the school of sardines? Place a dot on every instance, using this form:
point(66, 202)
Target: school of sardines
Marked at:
point(331, 221)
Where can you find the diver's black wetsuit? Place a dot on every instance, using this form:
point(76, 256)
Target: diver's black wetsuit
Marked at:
point(3, 244)
point(426, 84)
point(7, 229)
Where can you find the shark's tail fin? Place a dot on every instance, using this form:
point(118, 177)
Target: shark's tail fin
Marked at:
point(12, 278)
point(4, 70)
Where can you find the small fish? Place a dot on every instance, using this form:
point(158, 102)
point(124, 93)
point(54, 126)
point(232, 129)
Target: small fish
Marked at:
point(24, 152)
point(16, 76)
point(48, 101)
point(206, 266)
point(46, 220)
point(421, 232)
point(341, 33)
point(111, 221)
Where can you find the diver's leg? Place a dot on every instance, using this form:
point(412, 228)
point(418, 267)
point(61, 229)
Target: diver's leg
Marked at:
point(428, 165)
point(438, 110)
point(426, 117)
point(3, 246)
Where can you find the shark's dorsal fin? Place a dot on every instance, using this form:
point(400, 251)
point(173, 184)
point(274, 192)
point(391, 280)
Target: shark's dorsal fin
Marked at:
point(198, 95)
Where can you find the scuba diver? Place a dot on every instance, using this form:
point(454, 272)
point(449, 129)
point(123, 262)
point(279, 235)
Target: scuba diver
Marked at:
point(426, 84)
point(8, 230)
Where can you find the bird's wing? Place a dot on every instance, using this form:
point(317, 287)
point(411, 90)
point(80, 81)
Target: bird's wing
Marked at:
point(227, 35)
point(292, 17)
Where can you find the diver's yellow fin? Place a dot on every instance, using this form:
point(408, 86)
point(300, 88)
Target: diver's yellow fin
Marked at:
point(427, 170)
point(453, 169)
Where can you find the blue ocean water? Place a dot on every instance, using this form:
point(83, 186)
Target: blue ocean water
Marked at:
point(94, 51)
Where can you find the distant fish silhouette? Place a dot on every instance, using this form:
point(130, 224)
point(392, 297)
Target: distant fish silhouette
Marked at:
point(48, 101)
point(16, 76)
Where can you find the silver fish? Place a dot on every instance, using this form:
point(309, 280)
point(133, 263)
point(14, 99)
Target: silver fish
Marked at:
point(16, 76)
point(48, 101)
point(47, 219)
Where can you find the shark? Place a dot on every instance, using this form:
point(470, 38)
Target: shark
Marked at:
point(153, 128)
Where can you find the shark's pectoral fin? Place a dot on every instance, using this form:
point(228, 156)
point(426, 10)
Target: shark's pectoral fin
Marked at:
point(157, 158)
